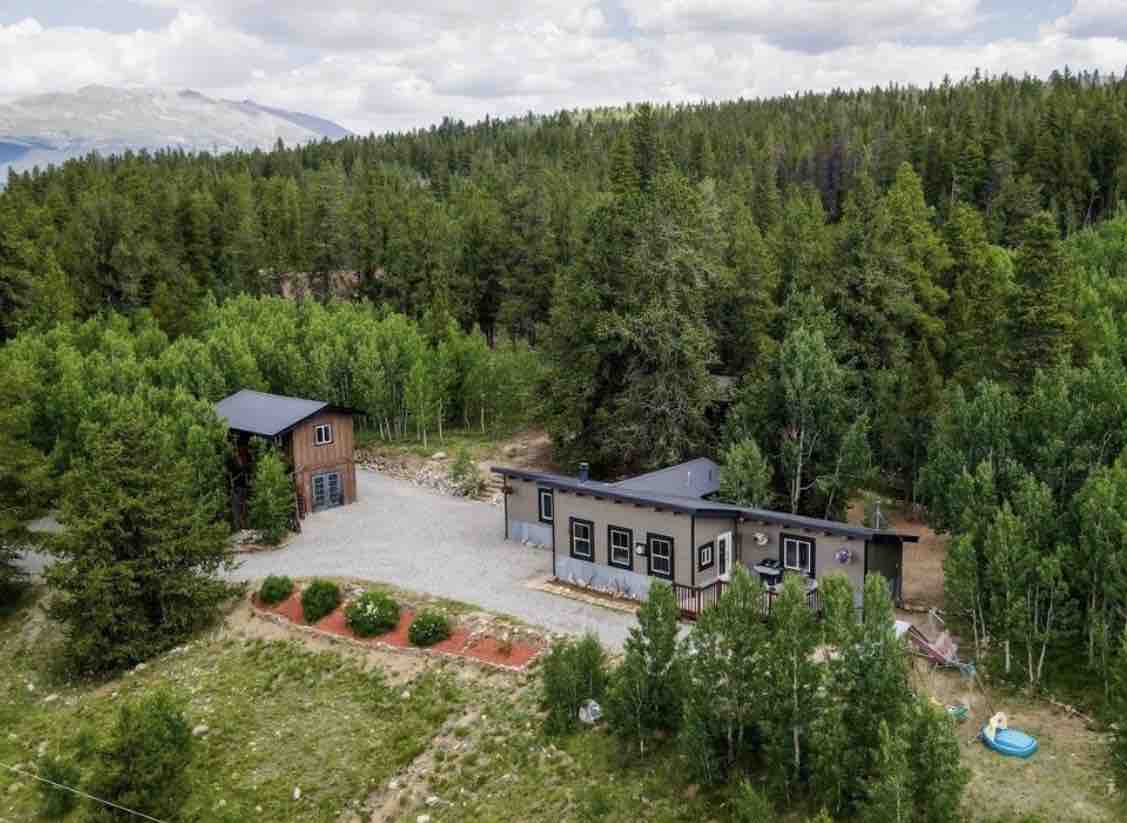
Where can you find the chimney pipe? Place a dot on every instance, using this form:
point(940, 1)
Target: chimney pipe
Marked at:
point(584, 472)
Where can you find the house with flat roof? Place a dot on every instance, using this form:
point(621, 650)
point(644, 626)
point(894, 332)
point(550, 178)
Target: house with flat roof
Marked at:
point(314, 436)
point(665, 525)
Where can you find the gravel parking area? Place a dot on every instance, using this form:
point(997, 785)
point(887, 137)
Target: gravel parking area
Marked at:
point(417, 539)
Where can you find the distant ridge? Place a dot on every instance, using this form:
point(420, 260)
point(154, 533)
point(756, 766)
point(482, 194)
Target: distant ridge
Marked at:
point(52, 128)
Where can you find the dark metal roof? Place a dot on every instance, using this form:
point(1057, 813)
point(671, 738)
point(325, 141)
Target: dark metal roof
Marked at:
point(694, 478)
point(695, 505)
point(265, 414)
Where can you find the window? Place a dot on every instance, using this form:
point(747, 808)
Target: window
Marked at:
point(547, 505)
point(582, 545)
point(798, 553)
point(661, 556)
point(323, 434)
point(707, 556)
point(620, 543)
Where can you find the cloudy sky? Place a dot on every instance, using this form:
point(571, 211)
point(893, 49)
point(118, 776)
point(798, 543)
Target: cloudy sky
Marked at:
point(392, 64)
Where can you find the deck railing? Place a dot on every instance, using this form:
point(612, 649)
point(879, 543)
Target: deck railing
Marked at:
point(692, 600)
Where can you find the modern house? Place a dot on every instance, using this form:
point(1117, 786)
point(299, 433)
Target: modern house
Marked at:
point(315, 437)
point(618, 537)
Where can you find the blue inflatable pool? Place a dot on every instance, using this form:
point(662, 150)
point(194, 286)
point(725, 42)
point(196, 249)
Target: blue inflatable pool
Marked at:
point(1011, 742)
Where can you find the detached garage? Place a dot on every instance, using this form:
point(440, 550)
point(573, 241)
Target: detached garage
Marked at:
point(314, 436)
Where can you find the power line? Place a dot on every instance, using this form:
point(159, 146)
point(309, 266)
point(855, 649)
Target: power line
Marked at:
point(81, 793)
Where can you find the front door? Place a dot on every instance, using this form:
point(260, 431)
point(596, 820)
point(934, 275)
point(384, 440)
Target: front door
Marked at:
point(326, 491)
point(724, 556)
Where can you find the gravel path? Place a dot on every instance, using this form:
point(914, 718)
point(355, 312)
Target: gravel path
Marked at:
point(417, 539)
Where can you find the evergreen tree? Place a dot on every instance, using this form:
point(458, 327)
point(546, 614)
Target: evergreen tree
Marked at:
point(143, 765)
point(1042, 327)
point(982, 286)
point(272, 496)
point(647, 689)
point(937, 775)
point(792, 685)
point(890, 800)
point(746, 477)
point(135, 573)
point(1117, 709)
point(728, 650)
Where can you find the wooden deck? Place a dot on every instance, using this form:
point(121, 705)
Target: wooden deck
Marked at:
point(692, 600)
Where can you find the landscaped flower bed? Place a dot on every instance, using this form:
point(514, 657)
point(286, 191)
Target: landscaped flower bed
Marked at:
point(483, 647)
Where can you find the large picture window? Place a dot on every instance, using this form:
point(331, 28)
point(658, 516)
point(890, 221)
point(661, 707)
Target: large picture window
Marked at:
point(547, 505)
point(661, 556)
point(620, 546)
point(582, 539)
point(798, 553)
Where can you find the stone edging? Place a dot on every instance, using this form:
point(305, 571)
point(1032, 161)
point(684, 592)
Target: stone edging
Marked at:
point(370, 643)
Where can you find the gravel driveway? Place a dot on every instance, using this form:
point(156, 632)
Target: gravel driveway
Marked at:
point(421, 540)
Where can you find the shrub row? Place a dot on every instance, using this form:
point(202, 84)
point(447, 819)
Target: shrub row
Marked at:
point(370, 614)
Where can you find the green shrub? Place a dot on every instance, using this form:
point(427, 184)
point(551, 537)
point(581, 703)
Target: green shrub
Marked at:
point(275, 589)
point(372, 613)
point(573, 672)
point(750, 805)
point(271, 505)
point(319, 599)
point(144, 763)
point(53, 801)
point(465, 475)
point(428, 627)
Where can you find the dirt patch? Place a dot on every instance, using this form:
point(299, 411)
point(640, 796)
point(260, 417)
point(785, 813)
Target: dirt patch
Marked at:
point(495, 651)
point(1066, 779)
point(531, 449)
point(923, 560)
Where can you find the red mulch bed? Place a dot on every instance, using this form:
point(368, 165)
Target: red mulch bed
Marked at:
point(488, 649)
point(290, 608)
point(454, 644)
point(485, 649)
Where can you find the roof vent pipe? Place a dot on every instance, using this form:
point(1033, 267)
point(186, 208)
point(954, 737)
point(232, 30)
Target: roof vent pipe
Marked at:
point(584, 472)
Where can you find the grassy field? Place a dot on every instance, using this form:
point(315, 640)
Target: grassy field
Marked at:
point(374, 735)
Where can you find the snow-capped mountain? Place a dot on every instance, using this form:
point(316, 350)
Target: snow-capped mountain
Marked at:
point(50, 128)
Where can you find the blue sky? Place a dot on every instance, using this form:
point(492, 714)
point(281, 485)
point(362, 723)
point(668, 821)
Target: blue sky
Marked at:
point(405, 63)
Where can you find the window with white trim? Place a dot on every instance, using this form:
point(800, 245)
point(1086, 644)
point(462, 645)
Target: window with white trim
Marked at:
point(620, 543)
point(547, 505)
point(707, 555)
point(661, 556)
point(323, 434)
point(798, 554)
point(582, 539)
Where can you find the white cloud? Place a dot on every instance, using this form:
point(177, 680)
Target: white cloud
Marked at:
point(811, 26)
point(408, 65)
point(1094, 18)
point(192, 50)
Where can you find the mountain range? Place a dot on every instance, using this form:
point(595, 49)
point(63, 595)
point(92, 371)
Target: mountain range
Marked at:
point(51, 128)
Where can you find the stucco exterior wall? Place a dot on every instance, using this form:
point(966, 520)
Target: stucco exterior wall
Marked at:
point(523, 512)
point(825, 547)
point(640, 520)
point(707, 530)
